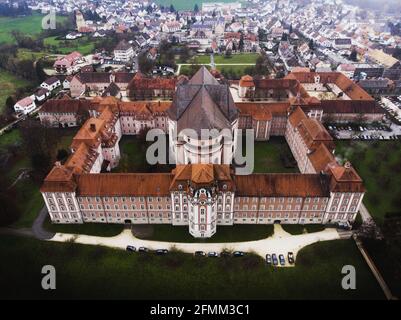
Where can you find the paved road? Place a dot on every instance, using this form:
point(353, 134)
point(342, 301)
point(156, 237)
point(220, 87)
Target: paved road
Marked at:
point(280, 243)
point(375, 271)
point(365, 215)
point(37, 227)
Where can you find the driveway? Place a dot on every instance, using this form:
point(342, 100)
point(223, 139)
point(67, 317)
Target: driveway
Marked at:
point(280, 243)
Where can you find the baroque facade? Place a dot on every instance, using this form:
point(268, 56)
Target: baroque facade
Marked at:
point(203, 190)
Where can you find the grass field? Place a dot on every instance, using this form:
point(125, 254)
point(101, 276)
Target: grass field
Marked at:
point(92, 229)
point(378, 163)
point(224, 233)
point(96, 272)
point(83, 45)
point(221, 59)
point(10, 138)
point(26, 54)
point(29, 25)
point(267, 156)
point(28, 198)
point(133, 157)
point(8, 85)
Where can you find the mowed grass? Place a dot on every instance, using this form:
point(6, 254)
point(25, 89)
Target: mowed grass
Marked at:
point(92, 229)
point(133, 157)
point(249, 58)
point(28, 25)
point(8, 85)
point(378, 163)
point(85, 272)
point(234, 233)
point(269, 156)
point(83, 45)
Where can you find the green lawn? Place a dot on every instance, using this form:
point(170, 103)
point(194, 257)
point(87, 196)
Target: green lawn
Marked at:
point(29, 203)
point(28, 198)
point(85, 272)
point(29, 25)
point(93, 229)
point(234, 233)
point(83, 45)
point(300, 229)
point(222, 59)
point(26, 54)
point(269, 154)
point(133, 157)
point(378, 163)
point(10, 138)
point(8, 85)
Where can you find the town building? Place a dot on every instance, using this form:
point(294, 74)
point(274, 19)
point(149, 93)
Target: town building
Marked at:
point(69, 63)
point(123, 52)
point(26, 105)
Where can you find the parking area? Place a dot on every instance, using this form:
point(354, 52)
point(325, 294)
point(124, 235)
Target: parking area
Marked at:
point(281, 246)
point(372, 131)
point(393, 106)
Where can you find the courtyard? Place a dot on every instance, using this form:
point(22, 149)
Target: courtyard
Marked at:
point(272, 156)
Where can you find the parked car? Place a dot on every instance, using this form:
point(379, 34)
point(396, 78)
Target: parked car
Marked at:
point(282, 259)
point(143, 249)
point(268, 259)
point(238, 254)
point(131, 248)
point(274, 259)
point(290, 258)
point(213, 254)
point(344, 225)
point(225, 254)
point(160, 252)
point(200, 254)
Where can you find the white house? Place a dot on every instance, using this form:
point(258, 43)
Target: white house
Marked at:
point(73, 35)
point(41, 94)
point(123, 52)
point(66, 82)
point(50, 83)
point(25, 105)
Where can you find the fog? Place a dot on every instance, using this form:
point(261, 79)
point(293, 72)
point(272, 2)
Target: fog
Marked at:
point(390, 6)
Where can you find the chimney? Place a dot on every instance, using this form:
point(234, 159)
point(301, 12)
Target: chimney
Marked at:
point(93, 127)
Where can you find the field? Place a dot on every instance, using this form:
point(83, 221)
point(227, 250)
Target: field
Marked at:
point(83, 45)
point(29, 199)
point(29, 25)
point(186, 5)
point(378, 163)
point(8, 85)
point(221, 59)
point(97, 272)
point(26, 54)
